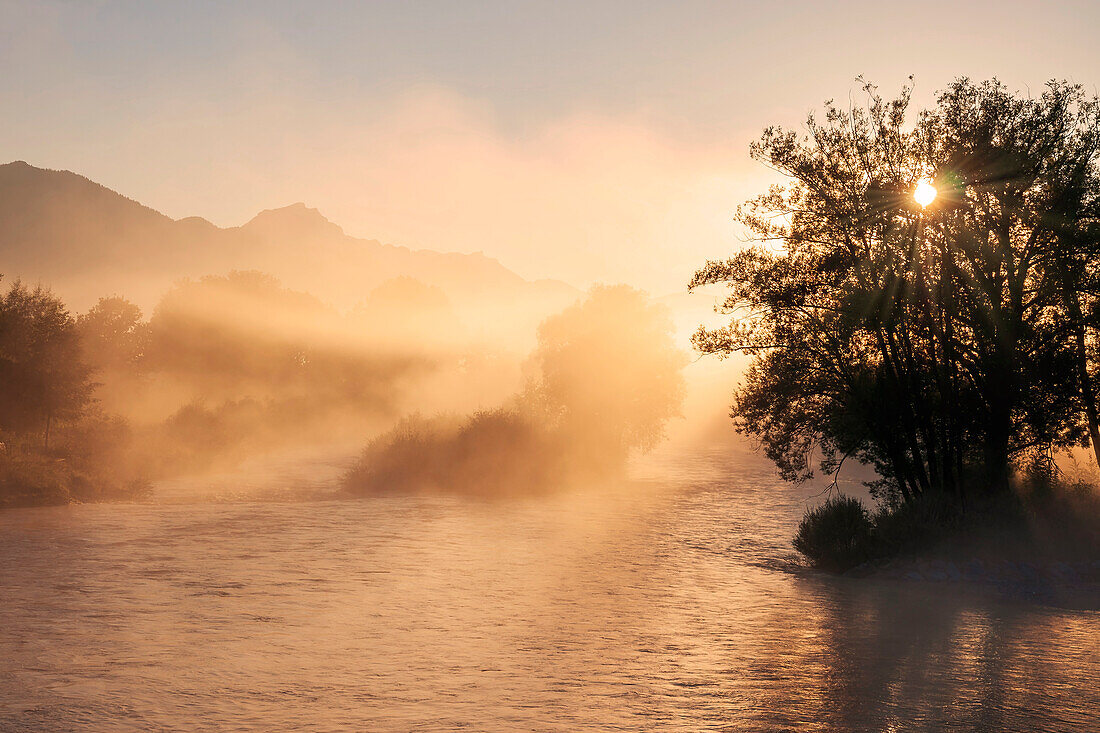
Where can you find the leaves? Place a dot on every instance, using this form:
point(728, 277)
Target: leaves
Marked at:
point(42, 372)
point(931, 343)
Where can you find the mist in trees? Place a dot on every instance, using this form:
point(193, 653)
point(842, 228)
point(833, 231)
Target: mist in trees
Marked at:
point(946, 345)
point(55, 443)
point(604, 380)
point(225, 367)
point(228, 367)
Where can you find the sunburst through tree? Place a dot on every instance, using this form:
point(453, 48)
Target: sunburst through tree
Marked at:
point(933, 310)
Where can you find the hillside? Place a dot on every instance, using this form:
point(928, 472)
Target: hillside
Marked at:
point(85, 240)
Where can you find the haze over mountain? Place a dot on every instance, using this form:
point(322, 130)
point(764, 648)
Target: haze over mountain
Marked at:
point(85, 241)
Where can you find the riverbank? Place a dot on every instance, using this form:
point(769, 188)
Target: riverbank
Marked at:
point(39, 479)
point(1038, 535)
point(1076, 582)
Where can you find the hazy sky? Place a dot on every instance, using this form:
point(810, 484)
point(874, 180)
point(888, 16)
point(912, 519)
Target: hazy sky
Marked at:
point(580, 140)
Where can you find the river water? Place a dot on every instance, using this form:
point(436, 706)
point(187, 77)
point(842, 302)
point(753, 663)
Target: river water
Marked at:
point(668, 603)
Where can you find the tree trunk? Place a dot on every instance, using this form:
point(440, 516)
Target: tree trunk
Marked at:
point(996, 448)
point(1088, 395)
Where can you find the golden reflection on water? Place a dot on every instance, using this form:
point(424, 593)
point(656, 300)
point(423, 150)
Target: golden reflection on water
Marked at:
point(658, 607)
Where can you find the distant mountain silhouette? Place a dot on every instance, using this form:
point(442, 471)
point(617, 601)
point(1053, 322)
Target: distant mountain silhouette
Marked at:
point(85, 240)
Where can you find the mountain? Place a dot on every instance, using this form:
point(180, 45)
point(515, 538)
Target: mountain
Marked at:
point(85, 241)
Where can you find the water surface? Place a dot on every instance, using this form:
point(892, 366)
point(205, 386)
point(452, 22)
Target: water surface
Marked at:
point(667, 604)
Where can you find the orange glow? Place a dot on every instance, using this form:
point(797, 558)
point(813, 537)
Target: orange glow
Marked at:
point(924, 193)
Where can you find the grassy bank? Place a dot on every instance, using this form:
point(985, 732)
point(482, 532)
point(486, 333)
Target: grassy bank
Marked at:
point(40, 478)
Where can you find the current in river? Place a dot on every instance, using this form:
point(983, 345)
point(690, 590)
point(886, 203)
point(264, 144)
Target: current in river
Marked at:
point(669, 602)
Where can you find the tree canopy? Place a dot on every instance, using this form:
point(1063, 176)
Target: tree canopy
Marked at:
point(43, 376)
point(609, 370)
point(943, 344)
point(113, 333)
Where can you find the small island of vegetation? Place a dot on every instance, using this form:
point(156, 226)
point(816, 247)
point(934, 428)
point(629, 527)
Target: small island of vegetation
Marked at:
point(923, 297)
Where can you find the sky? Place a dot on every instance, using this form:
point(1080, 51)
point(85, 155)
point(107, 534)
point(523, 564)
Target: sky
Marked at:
point(586, 141)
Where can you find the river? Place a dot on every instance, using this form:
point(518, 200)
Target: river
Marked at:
point(668, 603)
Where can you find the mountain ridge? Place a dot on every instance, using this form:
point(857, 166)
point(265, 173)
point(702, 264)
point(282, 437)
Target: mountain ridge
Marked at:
point(86, 240)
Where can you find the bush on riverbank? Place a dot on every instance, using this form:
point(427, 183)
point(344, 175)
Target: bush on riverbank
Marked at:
point(836, 535)
point(491, 452)
point(1047, 520)
point(584, 410)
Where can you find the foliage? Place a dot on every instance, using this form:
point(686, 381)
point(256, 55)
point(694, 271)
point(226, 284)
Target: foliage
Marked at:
point(113, 334)
point(608, 369)
point(114, 339)
point(57, 446)
point(43, 376)
point(836, 535)
point(918, 525)
point(490, 453)
point(941, 345)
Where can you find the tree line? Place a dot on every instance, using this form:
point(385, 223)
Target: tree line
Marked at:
point(93, 403)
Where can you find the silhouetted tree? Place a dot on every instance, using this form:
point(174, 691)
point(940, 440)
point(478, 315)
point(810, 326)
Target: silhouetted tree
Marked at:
point(43, 376)
point(941, 344)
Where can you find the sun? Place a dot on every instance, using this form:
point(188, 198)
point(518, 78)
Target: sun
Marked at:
point(924, 193)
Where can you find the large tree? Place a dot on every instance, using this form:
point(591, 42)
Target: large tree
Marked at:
point(942, 343)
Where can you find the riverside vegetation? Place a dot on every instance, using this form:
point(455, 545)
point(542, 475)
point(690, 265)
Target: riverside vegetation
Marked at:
point(603, 380)
point(950, 343)
point(93, 407)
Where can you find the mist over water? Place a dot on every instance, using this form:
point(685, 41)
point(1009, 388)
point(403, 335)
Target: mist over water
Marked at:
point(397, 490)
point(389, 367)
point(668, 601)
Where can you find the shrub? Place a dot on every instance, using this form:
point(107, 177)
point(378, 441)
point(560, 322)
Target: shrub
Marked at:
point(836, 535)
point(916, 525)
point(405, 458)
point(33, 480)
point(491, 452)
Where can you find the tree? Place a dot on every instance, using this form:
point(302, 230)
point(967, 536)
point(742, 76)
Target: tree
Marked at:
point(942, 344)
point(113, 334)
point(43, 377)
point(609, 371)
